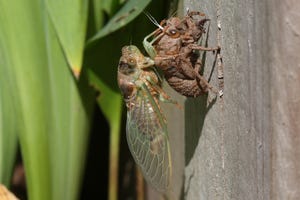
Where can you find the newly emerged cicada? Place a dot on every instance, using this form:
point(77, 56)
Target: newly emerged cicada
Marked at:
point(146, 127)
point(174, 49)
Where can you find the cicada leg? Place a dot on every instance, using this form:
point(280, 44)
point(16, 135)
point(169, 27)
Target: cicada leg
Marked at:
point(160, 78)
point(198, 66)
point(192, 13)
point(149, 45)
point(148, 62)
point(189, 18)
point(201, 48)
point(164, 97)
point(202, 82)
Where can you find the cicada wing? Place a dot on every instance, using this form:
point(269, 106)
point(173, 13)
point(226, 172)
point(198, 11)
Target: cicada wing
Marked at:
point(148, 141)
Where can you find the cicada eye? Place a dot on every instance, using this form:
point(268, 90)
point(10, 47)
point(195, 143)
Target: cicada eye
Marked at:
point(131, 62)
point(126, 68)
point(173, 33)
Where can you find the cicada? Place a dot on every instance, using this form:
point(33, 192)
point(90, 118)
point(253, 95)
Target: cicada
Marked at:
point(174, 49)
point(146, 127)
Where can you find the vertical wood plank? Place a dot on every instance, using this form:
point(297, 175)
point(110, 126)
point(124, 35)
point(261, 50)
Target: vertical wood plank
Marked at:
point(246, 144)
point(228, 154)
point(285, 98)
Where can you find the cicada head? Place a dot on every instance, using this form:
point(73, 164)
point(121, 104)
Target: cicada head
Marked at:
point(174, 27)
point(131, 63)
point(132, 56)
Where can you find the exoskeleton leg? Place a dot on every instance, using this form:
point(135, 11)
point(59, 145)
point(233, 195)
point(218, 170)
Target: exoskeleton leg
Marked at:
point(201, 48)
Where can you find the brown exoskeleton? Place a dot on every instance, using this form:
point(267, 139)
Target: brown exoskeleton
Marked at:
point(173, 49)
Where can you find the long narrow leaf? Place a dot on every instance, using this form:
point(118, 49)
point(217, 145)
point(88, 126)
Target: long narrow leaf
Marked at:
point(23, 42)
point(71, 106)
point(109, 6)
point(8, 118)
point(70, 18)
point(53, 110)
point(130, 11)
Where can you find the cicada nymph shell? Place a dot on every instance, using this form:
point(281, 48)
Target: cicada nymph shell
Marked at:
point(174, 49)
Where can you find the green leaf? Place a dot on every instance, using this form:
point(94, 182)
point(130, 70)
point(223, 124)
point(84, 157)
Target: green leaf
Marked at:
point(53, 109)
point(71, 108)
point(96, 15)
point(109, 6)
point(126, 14)
point(8, 119)
point(98, 9)
point(23, 44)
point(70, 18)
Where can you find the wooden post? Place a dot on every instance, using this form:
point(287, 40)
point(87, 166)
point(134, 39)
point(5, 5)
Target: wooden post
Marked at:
point(245, 145)
point(284, 69)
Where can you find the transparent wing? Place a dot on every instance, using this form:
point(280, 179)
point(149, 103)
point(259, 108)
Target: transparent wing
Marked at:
point(148, 140)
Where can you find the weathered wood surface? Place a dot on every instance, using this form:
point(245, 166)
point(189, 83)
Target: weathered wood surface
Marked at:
point(246, 145)
point(284, 67)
